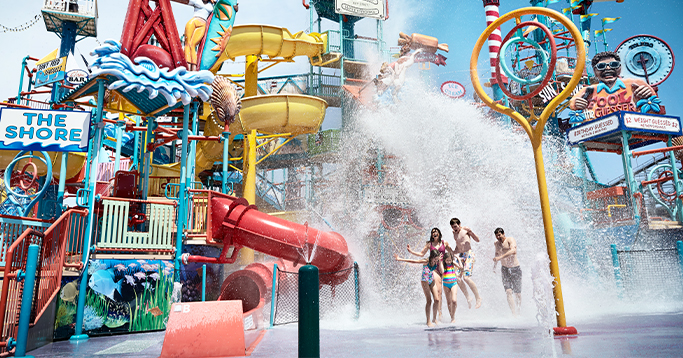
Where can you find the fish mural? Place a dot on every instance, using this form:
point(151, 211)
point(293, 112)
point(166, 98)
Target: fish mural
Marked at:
point(69, 292)
point(127, 296)
point(102, 281)
point(217, 34)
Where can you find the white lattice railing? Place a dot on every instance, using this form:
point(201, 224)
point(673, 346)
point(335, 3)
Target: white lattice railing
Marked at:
point(157, 230)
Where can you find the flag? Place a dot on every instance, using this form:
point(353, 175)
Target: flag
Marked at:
point(609, 20)
point(576, 2)
point(587, 17)
point(552, 2)
point(598, 32)
point(51, 56)
point(567, 11)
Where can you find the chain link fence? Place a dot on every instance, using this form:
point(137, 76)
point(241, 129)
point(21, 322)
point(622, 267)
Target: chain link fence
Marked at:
point(333, 298)
point(654, 274)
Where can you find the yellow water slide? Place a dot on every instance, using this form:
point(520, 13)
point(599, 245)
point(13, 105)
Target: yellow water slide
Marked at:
point(274, 42)
point(275, 114)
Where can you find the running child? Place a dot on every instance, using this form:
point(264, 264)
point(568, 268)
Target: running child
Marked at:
point(451, 269)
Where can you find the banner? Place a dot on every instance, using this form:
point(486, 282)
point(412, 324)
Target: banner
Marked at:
point(51, 71)
point(48, 130)
point(361, 8)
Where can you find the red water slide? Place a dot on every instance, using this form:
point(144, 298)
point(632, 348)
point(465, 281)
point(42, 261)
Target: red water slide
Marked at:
point(237, 224)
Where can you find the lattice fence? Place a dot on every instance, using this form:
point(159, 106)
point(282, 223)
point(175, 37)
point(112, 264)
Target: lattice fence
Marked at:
point(333, 299)
point(651, 274)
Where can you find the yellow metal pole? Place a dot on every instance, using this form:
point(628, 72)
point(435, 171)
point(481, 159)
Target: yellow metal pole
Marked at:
point(536, 132)
point(249, 185)
point(251, 76)
point(249, 156)
point(549, 234)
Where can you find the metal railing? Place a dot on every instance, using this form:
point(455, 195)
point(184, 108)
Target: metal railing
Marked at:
point(131, 225)
point(83, 7)
point(157, 186)
point(106, 171)
point(11, 227)
point(53, 244)
point(323, 85)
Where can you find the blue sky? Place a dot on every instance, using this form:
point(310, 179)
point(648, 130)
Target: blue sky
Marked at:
point(455, 22)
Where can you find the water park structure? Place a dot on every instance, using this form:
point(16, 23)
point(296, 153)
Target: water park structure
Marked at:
point(155, 192)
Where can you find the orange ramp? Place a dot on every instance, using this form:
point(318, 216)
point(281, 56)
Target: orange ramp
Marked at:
point(209, 329)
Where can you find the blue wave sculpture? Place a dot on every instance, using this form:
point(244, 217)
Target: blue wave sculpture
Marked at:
point(174, 85)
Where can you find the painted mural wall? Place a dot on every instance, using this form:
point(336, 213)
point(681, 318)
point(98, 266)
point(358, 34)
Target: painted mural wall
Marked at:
point(122, 296)
point(125, 296)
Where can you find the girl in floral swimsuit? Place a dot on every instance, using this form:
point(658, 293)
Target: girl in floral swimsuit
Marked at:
point(429, 281)
point(435, 243)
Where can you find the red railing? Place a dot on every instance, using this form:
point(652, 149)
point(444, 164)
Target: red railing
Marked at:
point(11, 227)
point(10, 303)
point(66, 230)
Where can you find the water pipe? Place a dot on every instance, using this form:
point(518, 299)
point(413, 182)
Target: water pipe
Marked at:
point(182, 194)
point(226, 161)
point(356, 284)
point(24, 64)
point(679, 248)
point(62, 181)
point(79, 335)
point(120, 124)
point(309, 311)
point(204, 283)
point(273, 291)
point(26, 300)
point(617, 271)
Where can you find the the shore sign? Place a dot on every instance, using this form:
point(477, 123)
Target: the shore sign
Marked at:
point(48, 130)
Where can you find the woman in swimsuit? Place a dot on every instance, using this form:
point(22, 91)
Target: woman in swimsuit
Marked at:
point(429, 281)
point(435, 243)
point(451, 271)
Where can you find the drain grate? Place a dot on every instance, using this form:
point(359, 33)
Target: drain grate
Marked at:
point(129, 346)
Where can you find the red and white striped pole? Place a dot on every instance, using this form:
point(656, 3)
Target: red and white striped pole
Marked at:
point(495, 39)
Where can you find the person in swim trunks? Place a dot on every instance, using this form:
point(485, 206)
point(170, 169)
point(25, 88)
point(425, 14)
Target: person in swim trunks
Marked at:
point(506, 253)
point(451, 271)
point(463, 249)
point(429, 281)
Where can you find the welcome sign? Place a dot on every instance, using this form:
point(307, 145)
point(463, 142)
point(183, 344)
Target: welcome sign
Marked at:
point(48, 130)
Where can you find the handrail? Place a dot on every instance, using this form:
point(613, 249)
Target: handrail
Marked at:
point(52, 257)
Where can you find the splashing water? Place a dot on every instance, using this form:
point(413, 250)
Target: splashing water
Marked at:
point(543, 293)
point(307, 251)
point(442, 158)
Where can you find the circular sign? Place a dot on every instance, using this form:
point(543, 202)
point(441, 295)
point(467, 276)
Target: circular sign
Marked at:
point(453, 89)
point(648, 57)
point(76, 77)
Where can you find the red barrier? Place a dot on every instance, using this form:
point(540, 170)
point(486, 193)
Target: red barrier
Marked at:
point(205, 329)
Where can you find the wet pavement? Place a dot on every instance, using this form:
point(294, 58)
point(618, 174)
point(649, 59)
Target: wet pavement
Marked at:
point(653, 335)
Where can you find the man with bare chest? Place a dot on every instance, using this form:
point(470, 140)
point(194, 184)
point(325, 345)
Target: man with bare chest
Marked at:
point(463, 250)
point(506, 253)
